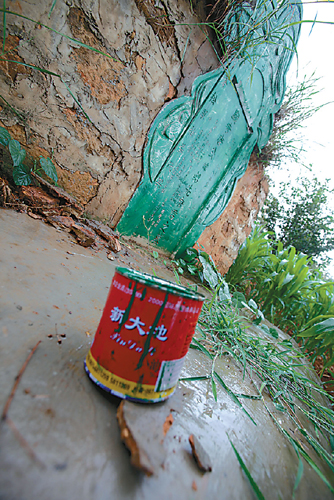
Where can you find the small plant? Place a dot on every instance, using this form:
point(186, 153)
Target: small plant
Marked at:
point(148, 229)
point(200, 264)
point(286, 143)
point(22, 173)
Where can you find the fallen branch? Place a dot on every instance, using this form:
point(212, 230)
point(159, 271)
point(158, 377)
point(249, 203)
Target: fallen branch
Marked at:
point(17, 381)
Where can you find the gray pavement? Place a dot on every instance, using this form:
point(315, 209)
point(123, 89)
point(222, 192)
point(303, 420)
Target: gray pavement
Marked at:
point(51, 286)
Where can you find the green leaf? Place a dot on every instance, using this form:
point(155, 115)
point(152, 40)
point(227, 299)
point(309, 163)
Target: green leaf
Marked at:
point(323, 326)
point(252, 304)
point(239, 300)
point(4, 136)
point(263, 385)
point(209, 274)
point(200, 347)
point(273, 332)
point(21, 175)
point(270, 331)
point(214, 388)
point(190, 255)
point(16, 152)
point(257, 321)
point(49, 168)
point(286, 342)
point(288, 278)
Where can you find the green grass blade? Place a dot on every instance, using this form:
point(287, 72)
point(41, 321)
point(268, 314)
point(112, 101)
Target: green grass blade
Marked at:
point(255, 487)
point(190, 379)
point(38, 68)
point(52, 7)
point(76, 100)
point(214, 388)
point(200, 347)
point(51, 73)
point(21, 117)
point(233, 396)
point(302, 452)
point(299, 476)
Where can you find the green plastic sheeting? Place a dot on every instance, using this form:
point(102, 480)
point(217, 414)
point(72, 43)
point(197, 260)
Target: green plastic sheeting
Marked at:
point(199, 146)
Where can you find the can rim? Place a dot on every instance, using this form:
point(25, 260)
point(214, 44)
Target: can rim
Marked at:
point(160, 283)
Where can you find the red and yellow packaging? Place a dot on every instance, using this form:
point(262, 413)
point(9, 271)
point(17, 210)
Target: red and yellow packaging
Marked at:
point(143, 336)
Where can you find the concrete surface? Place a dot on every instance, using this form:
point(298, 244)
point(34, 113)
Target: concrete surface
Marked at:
point(71, 425)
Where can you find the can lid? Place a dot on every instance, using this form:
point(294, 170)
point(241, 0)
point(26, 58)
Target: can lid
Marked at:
point(155, 282)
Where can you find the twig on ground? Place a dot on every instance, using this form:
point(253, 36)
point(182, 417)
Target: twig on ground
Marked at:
point(17, 381)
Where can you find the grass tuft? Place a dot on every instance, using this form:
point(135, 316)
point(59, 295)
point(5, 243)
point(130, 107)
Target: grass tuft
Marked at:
point(273, 366)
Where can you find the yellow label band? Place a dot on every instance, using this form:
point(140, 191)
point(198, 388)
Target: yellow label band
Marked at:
point(121, 386)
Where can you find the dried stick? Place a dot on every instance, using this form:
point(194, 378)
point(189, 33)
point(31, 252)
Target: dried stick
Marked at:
point(17, 381)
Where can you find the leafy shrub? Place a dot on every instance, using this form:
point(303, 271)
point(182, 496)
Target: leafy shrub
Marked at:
point(22, 173)
point(199, 263)
point(253, 253)
point(289, 292)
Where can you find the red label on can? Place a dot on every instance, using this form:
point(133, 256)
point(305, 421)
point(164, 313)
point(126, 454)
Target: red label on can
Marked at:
point(142, 339)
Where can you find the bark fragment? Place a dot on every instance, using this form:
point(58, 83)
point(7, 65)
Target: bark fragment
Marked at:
point(200, 455)
point(60, 221)
point(85, 236)
point(168, 423)
point(34, 195)
point(60, 193)
point(106, 233)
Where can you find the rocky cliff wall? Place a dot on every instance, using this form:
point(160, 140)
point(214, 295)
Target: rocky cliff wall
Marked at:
point(90, 112)
point(155, 53)
point(224, 237)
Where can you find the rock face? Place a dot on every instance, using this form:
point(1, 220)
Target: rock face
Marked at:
point(152, 56)
point(90, 112)
point(224, 237)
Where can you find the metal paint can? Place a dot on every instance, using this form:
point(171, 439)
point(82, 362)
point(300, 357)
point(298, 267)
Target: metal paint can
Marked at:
point(143, 336)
